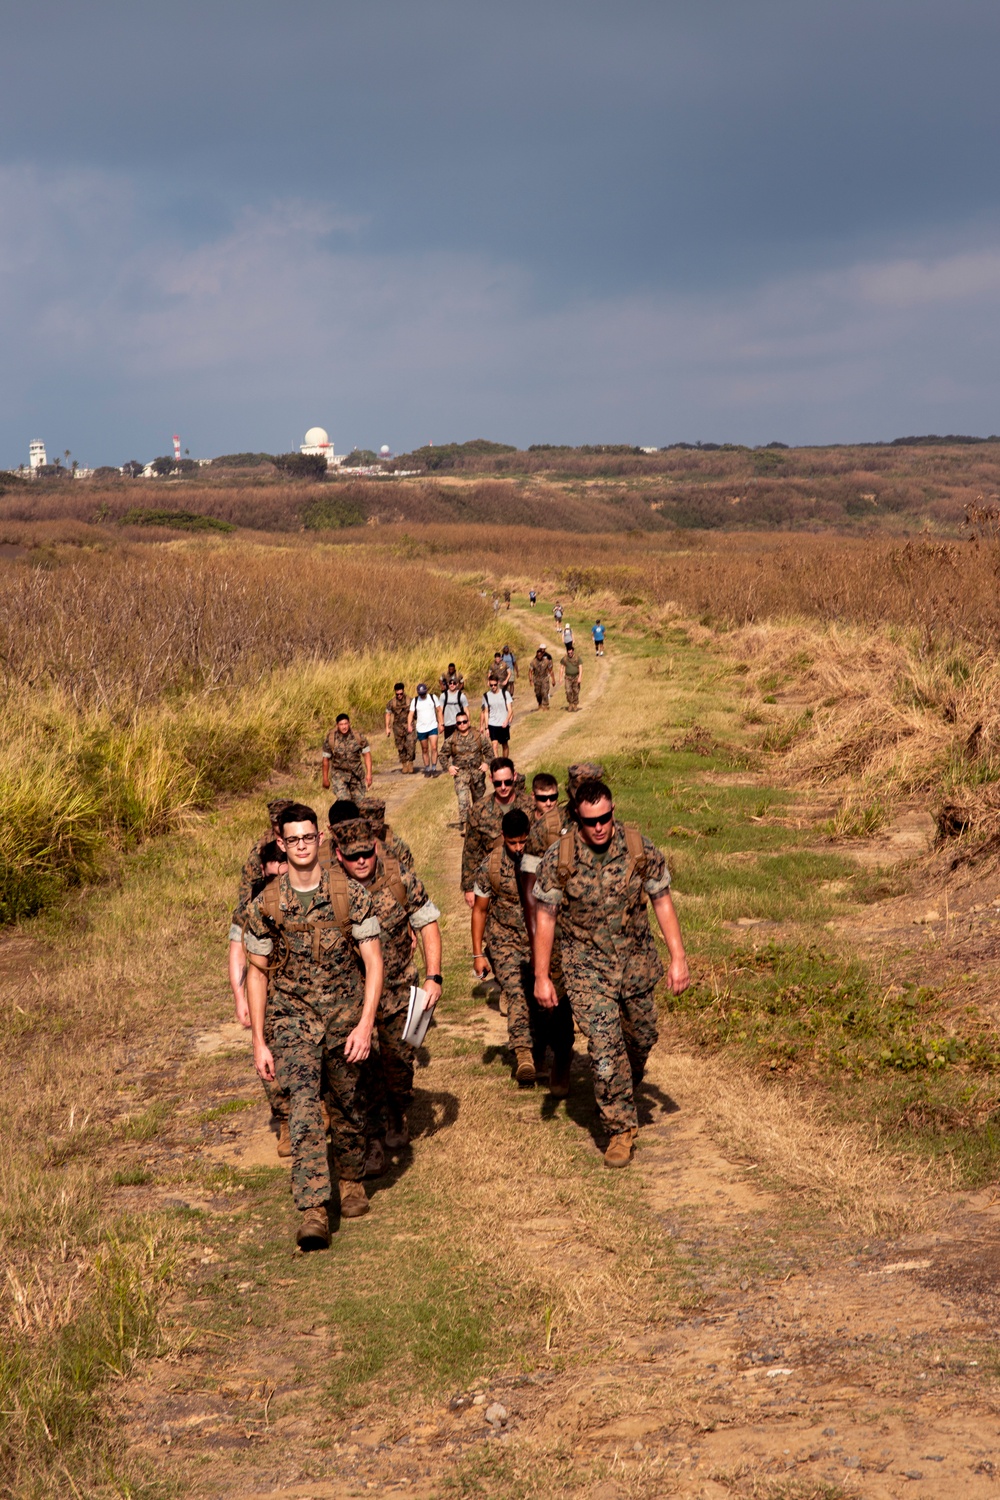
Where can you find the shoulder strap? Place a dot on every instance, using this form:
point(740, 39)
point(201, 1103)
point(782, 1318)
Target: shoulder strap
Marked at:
point(394, 877)
point(636, 851)
point(567, 856)
point(496, 862)
point(340, 898)
point(270, 903)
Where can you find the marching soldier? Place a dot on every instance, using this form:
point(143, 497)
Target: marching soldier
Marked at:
point(500, 940)
point(253, 869)
point(316, 933)
point(405, 912)
point(273, 862)
point(542, 675)
point(465, 756)
point(347, 761)
point(591, 888)
point(482, 828)
point(397, 714)
point(571, 674)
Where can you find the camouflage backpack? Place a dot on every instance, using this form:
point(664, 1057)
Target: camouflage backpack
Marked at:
point(568, 852)
point(340, 900)
point(393, 877)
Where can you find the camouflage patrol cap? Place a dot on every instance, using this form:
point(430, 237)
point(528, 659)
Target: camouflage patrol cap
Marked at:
point(277, 807)
point(372, 808)
point(583, 770)
point(354, 835)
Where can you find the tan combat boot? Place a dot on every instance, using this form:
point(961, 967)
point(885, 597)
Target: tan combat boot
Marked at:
point(559, 1077)
point(375, 1159)
point(284, 1139)
point(398, 1134)
point(353, 1200)
point(314, 1229)
point(619, 1152)
point(525, 1069)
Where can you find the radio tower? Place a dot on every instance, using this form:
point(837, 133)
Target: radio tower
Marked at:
point(177, 449)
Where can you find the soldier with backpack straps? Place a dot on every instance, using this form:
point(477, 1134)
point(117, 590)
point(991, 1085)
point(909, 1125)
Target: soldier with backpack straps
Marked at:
point(406, 914)
point(500, 940)
point(592, 887)
point(315, 973)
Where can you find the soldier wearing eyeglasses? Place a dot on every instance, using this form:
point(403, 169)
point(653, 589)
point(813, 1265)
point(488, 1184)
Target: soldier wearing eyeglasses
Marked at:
point(482, 827)
point(591, 888)
point(325, 984)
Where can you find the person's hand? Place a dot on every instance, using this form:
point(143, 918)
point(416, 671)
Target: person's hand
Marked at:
point(432, 990)
point(368, 780)
point(388, 734)
point(263, 1061)
point(481, 967)
point(678, 975)
point(470, 899)
point(545, 992)
point(242, 1010)
point(452, 770)
point(358, 1044)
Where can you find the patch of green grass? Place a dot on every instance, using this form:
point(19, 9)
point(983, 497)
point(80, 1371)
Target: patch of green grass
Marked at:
point(144, 1126)
point(229, 1107)
point(132, 1177)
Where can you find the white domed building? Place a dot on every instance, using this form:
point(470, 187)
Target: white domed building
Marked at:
point(317, 444)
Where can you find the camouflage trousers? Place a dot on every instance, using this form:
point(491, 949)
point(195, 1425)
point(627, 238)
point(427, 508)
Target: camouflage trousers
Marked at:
point(542, 694)
point(573, 691)
point(470, 788)
point(388, 1071)
point(309, 1064)
point(346, 786)
point(530, 1026)
point(621, 1033)
point(277, 1097)
point(406, 746)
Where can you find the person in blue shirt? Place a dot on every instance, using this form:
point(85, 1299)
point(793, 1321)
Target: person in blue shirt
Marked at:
point(597, 631)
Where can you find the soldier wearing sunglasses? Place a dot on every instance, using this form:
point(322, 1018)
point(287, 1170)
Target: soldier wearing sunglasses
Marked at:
point(483, 826)
point(591, 888)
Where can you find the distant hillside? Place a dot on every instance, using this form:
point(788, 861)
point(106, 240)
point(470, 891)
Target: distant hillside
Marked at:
point(909, 485)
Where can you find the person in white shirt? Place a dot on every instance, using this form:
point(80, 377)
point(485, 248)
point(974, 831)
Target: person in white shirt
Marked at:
point(425, 718)
point(497, 712)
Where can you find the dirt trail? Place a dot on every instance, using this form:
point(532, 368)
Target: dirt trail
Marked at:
point(803, 1359)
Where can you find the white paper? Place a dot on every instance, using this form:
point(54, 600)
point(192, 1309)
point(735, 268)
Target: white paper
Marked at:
point(418, 1017)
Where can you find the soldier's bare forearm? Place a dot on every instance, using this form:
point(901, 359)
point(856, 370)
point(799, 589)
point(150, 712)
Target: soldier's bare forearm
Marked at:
point(545, 933)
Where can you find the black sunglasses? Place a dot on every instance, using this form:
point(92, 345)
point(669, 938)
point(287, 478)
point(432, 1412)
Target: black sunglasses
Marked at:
point(546, 796)
point(360, 854)
point(601, 818)
point(504, 783)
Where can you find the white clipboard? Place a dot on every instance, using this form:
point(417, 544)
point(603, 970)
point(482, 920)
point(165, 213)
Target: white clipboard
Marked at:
point(418, 1017)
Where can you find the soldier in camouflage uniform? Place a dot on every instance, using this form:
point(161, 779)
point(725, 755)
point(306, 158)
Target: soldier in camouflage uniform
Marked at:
point(592, 887)
point(482, 828)
point(500, 940)
point(316, 932)
point(274, 863)
point(372, 809)
point(571, 675)
point(397, 713)
point(253, 869)
point(542, 676)
point(463, 757)
point(347, 761)
point(404, 910)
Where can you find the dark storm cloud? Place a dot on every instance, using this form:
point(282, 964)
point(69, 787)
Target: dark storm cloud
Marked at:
point(543, 221)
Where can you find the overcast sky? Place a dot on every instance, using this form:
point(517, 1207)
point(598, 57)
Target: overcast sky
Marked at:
point(431, 220)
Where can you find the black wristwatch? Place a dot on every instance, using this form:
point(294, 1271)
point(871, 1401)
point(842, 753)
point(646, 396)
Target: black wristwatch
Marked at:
point(433, 979)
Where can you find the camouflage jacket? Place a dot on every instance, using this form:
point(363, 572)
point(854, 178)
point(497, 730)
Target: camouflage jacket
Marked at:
point(252, 870)
point(601, 915)
point(483, 829)
point(545, 830)
point(541, 672)
point(466, 752)
point(399, 710)
point(344, 752)
point(317, 974)
point(398, 848)
point(397, 921)
point(506, 912)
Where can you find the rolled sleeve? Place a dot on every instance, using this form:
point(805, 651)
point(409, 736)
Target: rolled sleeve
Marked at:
point(548, 895)
point(658, 887)
point(657, 881)
point(363, 932)
point(236, 932)
point(478, 891)
point(327, 754)
point(530, 864)
point(424, 915)
point(260, 947)
point(366, 749)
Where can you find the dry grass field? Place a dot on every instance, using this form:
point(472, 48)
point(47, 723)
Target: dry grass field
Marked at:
point(781, 713)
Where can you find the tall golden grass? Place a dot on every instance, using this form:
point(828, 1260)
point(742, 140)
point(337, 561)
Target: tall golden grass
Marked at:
point(138, 686)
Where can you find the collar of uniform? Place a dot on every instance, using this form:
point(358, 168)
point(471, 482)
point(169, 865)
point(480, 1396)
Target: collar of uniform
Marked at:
point(288, 893)
point(616, 844)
